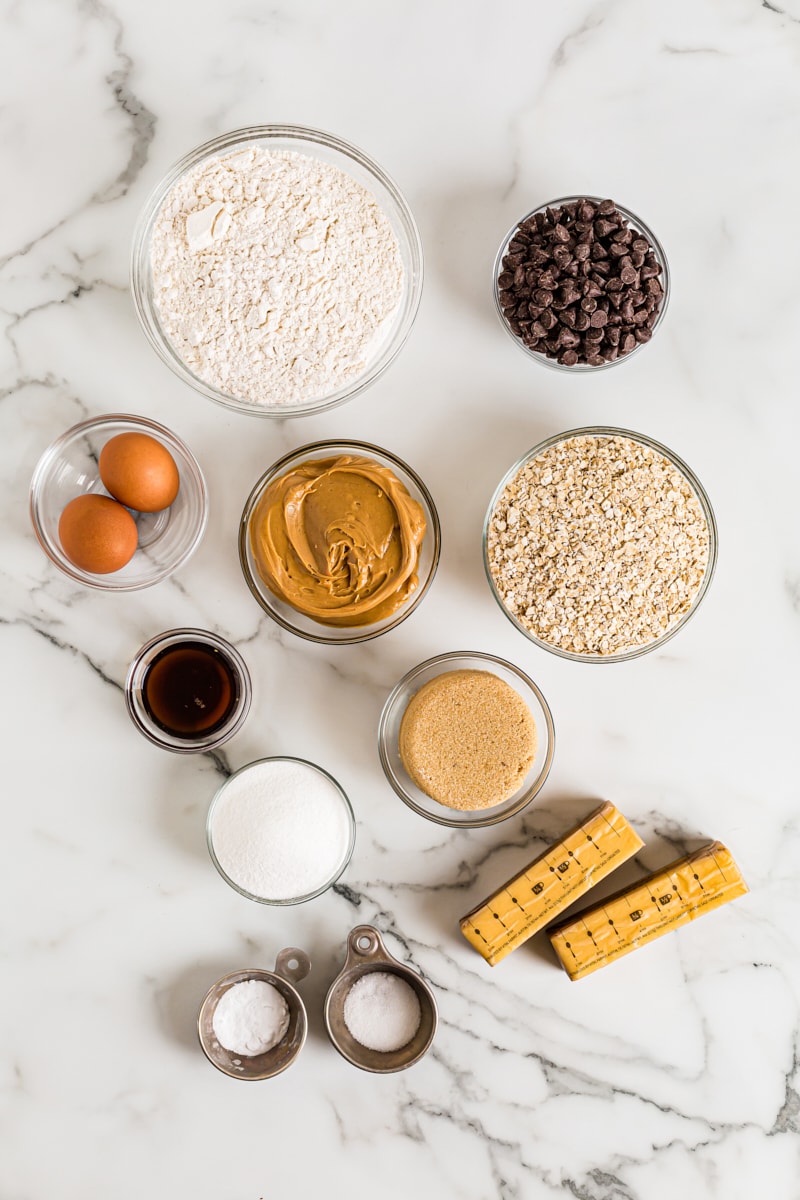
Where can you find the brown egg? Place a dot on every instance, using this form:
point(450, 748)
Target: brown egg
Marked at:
point(139, 472)
point(97, 534)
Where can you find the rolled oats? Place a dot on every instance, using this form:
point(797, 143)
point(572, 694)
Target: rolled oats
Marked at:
point(598, 545)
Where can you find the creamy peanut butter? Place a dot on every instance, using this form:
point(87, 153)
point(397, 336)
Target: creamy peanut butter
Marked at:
point(339, 540)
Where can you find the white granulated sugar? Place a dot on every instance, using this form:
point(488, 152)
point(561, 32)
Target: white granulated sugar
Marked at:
point(382, 1011)
point(280, 830)
point(275, 275)
point(250, 1018)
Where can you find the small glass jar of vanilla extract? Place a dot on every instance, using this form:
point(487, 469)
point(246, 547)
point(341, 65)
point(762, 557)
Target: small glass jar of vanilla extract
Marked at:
point(188, 690)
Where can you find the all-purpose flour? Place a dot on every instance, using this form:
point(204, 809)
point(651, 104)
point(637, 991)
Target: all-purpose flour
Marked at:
point(275, 275)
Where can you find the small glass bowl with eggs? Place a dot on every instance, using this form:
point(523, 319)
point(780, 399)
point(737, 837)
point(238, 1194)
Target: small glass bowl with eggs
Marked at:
point(118, 502)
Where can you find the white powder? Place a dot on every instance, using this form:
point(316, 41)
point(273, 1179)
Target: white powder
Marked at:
point(275, 275)
point(250, 1018)
point(382, 1011)
point(280, 830)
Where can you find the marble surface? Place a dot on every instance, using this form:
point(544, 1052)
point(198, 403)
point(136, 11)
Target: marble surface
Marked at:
point(674, 1072)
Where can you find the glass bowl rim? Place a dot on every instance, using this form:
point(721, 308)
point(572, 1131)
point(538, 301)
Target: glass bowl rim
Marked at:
point(159, 737)
point(632, 218)
point(46, 460)
point(303, 135)
point(536, 786)
point(406, 609)
point(699, 491)
point(351, 818)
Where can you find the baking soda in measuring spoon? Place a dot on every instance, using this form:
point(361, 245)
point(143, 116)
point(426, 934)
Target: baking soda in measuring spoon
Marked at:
point(280, 829)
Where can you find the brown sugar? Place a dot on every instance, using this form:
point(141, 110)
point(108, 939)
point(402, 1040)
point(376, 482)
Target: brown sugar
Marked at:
point(467, 739)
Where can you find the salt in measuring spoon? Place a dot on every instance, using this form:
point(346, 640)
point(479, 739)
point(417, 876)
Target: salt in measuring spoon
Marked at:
point(366, 953)
point(291, 966)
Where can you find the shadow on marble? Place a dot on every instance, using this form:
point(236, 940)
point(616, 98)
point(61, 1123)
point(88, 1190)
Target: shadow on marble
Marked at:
point(486, 858)
point(178, 1001)
point(463, 229)
point(480, 450)
point(181, 801)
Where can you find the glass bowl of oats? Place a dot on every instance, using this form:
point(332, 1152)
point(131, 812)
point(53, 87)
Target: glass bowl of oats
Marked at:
point(277, 270)
point(599, 544)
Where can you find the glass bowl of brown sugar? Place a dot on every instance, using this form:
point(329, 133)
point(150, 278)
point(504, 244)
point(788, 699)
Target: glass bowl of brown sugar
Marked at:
point(466, 739)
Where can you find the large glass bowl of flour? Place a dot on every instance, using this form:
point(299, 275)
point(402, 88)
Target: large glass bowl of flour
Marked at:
point(277, 270)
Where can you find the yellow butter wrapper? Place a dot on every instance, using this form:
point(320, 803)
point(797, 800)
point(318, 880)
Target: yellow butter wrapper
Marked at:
point(664, 901)
point(548, 885)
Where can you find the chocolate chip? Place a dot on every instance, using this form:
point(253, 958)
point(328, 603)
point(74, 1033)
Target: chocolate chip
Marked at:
point(579, 284)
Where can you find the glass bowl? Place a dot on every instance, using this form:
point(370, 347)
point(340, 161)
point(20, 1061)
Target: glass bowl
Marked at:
point(690, 478)
point(341, 866)
point(143, 718)
point(329, 149)
point(167, 539)
point(639, 226)
point(389, 743)
point(305, 626)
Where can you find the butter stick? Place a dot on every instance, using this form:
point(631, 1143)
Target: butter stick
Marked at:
point(658, 904)
point(548, 885)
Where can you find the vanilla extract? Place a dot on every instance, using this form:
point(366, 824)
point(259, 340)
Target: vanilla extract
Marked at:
point(190, 689)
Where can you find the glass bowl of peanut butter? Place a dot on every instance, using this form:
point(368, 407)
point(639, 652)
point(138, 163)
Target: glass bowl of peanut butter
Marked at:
point(339, 541)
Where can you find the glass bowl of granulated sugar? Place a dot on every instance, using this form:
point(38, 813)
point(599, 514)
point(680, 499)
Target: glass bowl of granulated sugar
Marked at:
point(280, 830)
point(277, 270)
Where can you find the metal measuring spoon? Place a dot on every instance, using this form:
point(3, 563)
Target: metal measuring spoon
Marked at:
point(291, 965)
point(366, 952)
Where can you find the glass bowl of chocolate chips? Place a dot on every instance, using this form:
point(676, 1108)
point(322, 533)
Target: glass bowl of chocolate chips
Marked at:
point(581, 283)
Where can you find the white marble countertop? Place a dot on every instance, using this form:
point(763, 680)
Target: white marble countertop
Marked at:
point(674, 1072)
